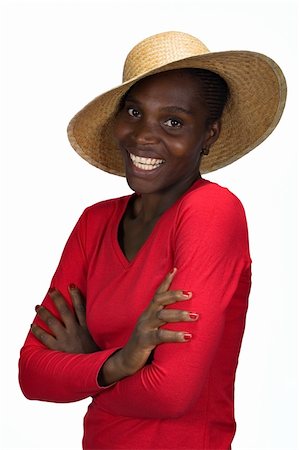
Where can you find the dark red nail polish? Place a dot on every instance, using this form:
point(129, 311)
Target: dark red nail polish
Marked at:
point(72, 286)
point(187, 293)
point(187, 336)
point(193, 316)
point(37, 308)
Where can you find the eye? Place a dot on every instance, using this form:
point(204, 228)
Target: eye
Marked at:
point(133, 112)
point(173, 123)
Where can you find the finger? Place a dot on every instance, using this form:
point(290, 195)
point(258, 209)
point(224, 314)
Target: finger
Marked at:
point(162, 316)
point(79, 304)
point(158, 303)
point(164, 286)
point(47, 339)
point(170, 297)
point(161, 336)
point(177, 315)
point(54, 324)
point(66, 315)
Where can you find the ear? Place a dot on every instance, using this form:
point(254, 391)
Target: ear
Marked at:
point(212, 135)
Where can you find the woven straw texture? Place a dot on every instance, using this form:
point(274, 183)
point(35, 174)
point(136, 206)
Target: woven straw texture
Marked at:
point(257, 98)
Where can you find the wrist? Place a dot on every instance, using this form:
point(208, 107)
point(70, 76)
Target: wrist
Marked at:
point(127, 361)
point(114, 369)
point(123, 363)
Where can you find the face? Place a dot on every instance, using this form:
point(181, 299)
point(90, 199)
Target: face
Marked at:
point(161, 130)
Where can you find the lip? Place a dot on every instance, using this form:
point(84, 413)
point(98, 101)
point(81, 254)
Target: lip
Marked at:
point(139, 171)
point(146, 163)
point(149, 153)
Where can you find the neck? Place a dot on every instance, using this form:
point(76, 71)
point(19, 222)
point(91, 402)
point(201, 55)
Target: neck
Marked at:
point(149, 207)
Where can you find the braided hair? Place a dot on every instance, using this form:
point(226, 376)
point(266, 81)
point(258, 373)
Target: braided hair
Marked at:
point(213, 89)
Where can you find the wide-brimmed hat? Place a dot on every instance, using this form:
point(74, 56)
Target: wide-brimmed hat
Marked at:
point(257, 97)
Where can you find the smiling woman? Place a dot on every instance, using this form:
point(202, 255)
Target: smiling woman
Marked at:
point(166, 118)
point(146, 310)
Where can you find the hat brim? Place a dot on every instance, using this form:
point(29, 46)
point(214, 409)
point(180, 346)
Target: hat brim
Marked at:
point(257, 99)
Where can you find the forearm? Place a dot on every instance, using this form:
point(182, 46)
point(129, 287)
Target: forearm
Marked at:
point(57, 376)
point(121, 364)
point(168, 386)
point(171, 384)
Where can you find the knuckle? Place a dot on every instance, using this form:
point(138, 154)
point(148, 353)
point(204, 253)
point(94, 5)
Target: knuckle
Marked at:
point(178, 294)
point(62, 307)
point(166, 315)
point(172, 296)
point(57, 300)
point(160, 314)
point(172, 293)
point(184, 315)
point(50, 321)
point(80, 307)
point(60, 303)
point(65, 310)
point(41, 335)
point(160, 335)
point(156, 299)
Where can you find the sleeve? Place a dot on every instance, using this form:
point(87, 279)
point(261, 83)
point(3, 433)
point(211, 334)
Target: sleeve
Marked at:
point(212, 257)
point(55, 376)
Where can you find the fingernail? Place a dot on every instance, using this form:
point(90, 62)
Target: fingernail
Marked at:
point(51, 290)
point(37, 307)
point(186, 293)
point(72, 286)
point(173, 271)
point(187, 336)
point(193, 316)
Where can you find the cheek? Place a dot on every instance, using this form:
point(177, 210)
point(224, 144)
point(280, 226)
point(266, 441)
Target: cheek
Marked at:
point(185, 149)
point(120, 129)
point(117, 130)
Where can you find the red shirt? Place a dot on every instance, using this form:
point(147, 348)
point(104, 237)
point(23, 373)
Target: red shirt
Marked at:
point(184, 399)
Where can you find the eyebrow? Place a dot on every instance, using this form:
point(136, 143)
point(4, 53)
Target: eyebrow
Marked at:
point(176, 109)
point(169, 109)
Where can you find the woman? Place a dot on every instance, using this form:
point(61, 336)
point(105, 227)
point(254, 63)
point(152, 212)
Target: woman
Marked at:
point(166, 271)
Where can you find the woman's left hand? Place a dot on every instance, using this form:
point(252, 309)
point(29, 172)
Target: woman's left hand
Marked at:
point(69, 334)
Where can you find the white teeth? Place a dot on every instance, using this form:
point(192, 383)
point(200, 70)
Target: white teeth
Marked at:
point(146, 166)
point(145, 163)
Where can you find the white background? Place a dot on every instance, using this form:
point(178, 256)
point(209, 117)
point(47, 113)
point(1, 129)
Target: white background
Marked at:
point(57, 56)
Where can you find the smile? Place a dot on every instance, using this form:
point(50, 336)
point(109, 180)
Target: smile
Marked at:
point(145, 163)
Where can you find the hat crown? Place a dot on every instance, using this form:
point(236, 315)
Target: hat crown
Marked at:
point(159, 50)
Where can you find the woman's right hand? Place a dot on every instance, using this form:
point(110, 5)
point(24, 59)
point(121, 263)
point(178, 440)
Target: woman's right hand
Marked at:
point(148, 334)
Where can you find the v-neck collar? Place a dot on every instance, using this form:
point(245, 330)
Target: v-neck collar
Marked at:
point(118, 216)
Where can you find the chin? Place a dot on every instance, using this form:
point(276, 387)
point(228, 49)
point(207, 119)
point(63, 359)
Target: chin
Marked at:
point(145, 182)
point(141, 186)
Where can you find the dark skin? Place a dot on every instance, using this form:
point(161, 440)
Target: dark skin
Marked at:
point(162, 131)
point(164, 120)
point(70, 334)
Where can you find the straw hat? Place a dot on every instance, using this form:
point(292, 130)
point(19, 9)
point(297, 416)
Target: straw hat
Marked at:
point(257, 98)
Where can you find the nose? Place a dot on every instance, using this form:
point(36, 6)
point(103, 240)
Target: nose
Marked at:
point(145, 132)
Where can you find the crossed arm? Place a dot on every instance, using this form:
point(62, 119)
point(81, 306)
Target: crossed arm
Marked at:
point(212, 257)
point(70, 334)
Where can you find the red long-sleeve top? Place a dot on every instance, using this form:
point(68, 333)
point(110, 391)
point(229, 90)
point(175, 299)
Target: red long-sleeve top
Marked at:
point(184, 399)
